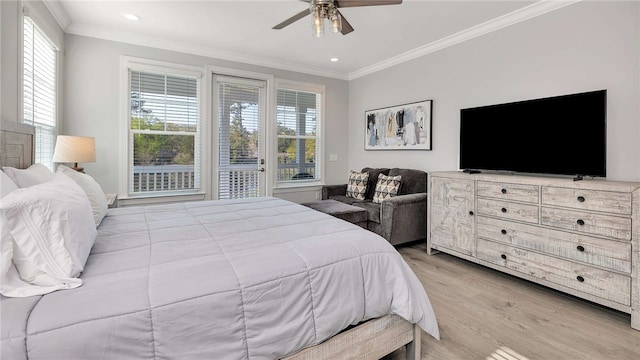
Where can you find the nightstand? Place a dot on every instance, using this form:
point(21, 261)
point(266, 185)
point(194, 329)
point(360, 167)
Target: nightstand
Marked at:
point(112, 200)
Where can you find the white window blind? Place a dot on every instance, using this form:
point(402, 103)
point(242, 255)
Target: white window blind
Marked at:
point(239, 139)
point(298, 120)
point(164, 133)
point(39, 89)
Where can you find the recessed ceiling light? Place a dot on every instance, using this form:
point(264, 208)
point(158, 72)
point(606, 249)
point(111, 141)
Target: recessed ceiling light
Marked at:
point(334, 59)
point(132, 17)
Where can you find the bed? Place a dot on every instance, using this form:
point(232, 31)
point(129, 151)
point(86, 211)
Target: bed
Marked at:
point(259, 278)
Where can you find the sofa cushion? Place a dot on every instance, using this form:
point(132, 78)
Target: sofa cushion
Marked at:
point(352, 214)
point(387, 187)
point(357, 184)
point(413, 181)
point(344, 199)
point(373, 210)
point(373, 180)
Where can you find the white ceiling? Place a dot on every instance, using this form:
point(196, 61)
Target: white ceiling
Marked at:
point(240, 30)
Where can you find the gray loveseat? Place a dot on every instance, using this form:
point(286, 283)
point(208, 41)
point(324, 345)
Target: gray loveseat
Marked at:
point(398, 219)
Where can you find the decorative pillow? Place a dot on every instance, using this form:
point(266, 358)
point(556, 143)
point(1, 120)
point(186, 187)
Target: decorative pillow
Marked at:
point(33, 175)
point(6, 185)
point(93, 190)
point(48, 232)
point(357, 185)
point(387, 186)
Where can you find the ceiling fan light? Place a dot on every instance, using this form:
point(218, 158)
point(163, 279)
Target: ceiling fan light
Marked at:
point(316, 11)
point(318, 21)
point(336, 23)
point(318, 29)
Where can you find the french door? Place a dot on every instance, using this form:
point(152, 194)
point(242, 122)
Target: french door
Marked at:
point(240, 105)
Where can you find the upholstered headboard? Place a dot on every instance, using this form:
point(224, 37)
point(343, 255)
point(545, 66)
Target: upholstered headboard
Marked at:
point(16, 144)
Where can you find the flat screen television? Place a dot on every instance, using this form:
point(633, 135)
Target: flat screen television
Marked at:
point(561, 135)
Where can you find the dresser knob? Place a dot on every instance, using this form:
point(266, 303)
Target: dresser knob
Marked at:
point(504, 210)
point(580, 222)
point(580, 248)
point(580, 278)
point(580, 198)
point(504, 191)
point(503, 231)
point(471, 213)
point(503, 256)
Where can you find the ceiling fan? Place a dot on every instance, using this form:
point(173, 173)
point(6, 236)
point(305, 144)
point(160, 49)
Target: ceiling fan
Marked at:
point(328, 9)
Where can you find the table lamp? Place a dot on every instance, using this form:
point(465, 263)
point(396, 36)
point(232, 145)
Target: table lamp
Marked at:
point(74, 149)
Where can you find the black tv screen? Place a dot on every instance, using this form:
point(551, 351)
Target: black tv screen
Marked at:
point(563, 135)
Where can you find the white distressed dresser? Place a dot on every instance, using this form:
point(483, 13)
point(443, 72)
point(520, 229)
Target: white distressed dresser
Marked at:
point(579, 237)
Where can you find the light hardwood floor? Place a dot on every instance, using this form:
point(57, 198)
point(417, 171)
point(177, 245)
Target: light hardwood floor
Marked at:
point(486, 314)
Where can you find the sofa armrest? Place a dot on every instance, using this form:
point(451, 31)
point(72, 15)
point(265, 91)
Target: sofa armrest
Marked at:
point(405, 199)
point(333, 190)
point(404, 218)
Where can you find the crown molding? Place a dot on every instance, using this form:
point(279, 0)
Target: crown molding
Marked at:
point(156, 42)
point(59, 13)
point(536, 9)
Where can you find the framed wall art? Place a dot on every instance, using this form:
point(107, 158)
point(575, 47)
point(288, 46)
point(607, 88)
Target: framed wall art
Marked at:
point(401, 127)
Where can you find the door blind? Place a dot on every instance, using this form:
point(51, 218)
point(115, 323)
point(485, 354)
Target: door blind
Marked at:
point(239, 139)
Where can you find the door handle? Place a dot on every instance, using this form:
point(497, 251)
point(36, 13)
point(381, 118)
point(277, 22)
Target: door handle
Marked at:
point(261, 169)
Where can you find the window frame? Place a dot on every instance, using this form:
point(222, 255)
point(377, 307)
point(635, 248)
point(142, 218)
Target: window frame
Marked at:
point(320, 121)
point(52, 39)
point(125, 146)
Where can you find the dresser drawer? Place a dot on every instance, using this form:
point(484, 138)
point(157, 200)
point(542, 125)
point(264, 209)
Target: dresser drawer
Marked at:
point(604, 201)
point(595, 224)
point(508, 210)
point(613, 255)
point(506, 191)
point(601, 283)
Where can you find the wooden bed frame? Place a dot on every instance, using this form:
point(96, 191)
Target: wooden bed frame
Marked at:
point(372, 339)
point(16, 145)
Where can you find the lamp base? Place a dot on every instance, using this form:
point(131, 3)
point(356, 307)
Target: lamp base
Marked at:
point(78, 168)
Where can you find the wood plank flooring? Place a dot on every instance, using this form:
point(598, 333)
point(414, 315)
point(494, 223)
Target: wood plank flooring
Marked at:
point(485, 314)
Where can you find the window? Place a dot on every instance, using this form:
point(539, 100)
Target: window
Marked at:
point(39, 89)
point(298, 122)
point(164, 133)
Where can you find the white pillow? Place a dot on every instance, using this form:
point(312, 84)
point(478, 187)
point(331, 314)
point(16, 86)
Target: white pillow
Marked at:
point(33, 175)
point(93, 190)
point(48, 232)
point(6, 185)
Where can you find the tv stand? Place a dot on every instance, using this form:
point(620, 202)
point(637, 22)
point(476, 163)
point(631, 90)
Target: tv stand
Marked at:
point(469, 171)
point(578, 237)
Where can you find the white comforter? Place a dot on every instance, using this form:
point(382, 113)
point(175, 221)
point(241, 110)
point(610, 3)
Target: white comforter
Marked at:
point(254, 278)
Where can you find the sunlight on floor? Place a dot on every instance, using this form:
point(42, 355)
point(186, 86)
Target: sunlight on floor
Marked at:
point(504, 353)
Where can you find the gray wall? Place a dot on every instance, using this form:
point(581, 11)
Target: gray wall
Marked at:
point(92, 100)
point(9, 66)
point(582, 47)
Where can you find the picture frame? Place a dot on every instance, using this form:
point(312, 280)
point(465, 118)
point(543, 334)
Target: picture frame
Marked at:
point(400, 127)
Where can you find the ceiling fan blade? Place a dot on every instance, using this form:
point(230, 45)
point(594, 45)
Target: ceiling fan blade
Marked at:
point(346, 27)
point(292, 19)
point(354, 3)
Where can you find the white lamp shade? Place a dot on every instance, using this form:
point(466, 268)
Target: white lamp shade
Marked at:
point(74, 149)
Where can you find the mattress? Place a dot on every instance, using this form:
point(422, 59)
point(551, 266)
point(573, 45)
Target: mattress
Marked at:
point(254, 278)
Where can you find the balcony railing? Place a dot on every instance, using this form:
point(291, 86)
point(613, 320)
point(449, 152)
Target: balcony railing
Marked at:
point(243, 179)
point(163, 178)
point(287, 172)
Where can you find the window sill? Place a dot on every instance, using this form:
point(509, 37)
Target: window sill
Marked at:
point(298, 185)
point(155, 199)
